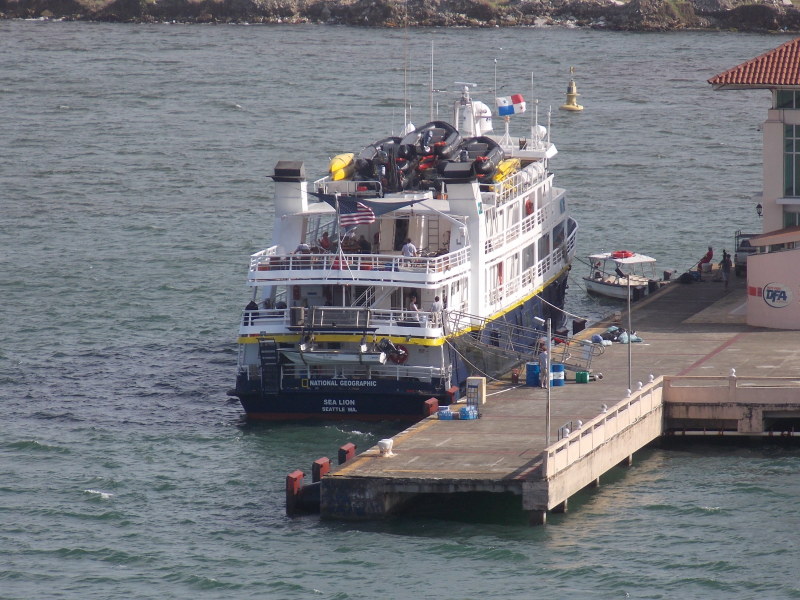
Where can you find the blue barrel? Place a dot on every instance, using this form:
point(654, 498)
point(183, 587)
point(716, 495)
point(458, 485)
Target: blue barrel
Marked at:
point(532, 374)
point(556, 374)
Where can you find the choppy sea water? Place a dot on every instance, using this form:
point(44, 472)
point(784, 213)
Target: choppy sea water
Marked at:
point(133, 189)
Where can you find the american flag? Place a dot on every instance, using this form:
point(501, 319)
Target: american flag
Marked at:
point(352, 212)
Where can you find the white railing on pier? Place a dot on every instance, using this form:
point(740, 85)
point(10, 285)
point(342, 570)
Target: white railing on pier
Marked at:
point(593, 434)
point(730, 389)
point(698, 390)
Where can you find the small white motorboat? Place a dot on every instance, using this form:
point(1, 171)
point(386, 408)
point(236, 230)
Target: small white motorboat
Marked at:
point(613, 274)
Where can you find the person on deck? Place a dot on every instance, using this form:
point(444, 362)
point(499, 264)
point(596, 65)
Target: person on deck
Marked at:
point(364, 245)
point(409, 249)
point(436, 309)
point(325, 242)
point(250, 312)
point(706, 259)
point(413, 308)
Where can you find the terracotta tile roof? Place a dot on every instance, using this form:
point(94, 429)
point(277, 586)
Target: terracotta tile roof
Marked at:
point(778, 67)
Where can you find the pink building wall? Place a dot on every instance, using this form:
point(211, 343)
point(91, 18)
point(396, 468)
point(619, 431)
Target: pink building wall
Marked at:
point(773, 290)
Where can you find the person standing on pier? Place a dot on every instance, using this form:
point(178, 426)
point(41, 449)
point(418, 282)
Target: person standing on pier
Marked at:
point(725, 267)
point(544, 367)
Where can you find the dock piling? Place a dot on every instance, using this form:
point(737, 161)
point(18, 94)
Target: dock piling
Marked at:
point(346, 452)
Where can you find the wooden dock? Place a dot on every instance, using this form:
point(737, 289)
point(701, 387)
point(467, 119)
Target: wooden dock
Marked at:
point(693, 336)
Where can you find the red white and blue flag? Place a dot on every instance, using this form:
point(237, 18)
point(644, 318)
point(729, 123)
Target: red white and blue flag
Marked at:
point(352, 212)
point(510, 105)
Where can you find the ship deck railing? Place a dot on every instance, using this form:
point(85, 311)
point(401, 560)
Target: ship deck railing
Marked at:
point(518, 183)
point(374, 321)
point(500, 293)
point(387, 371)
point(268, 265)
point(367, 189)
point(529, 223)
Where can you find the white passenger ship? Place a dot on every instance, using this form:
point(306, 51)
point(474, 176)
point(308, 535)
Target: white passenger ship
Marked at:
point(344, 321)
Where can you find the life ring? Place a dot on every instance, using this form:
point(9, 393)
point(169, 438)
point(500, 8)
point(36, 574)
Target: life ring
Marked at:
point(528, 206)
point(622, 254)
point(399, 357)
point(296, 292)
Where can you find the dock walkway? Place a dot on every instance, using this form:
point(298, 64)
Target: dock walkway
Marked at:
point(695, 329)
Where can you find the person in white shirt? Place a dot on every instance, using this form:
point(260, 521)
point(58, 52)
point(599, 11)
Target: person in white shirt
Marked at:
point(436, 308)
point(544, 368)
point(409, 249)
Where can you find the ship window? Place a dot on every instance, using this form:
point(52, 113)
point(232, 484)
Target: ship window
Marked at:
point(558, 234)
point(791, 219)
point(544, 246)
point(528, 257)
point(791, 160)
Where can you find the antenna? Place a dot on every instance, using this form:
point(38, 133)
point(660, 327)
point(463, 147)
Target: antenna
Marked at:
point(495, 77)
point(431, 86)
point(406, 109)
point(535, 114)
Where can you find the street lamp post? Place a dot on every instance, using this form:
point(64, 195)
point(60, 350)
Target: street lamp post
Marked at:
point(630, 334)
point(547, 374)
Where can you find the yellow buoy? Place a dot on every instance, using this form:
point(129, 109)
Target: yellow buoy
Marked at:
point(572, 95)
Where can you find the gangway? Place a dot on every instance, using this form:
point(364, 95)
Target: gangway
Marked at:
point(494, 345)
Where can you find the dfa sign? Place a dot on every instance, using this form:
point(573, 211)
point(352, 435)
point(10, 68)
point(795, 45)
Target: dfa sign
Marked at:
point(777, 295)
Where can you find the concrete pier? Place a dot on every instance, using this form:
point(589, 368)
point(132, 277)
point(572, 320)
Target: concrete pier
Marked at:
point(681, 383)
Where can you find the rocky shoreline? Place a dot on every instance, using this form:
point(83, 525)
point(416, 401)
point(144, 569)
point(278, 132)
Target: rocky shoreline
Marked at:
point(631, 15)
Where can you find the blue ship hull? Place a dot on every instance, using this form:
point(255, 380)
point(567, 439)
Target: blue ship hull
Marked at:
point(390, 399)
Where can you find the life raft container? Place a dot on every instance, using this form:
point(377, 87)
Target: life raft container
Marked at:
point(622, 254)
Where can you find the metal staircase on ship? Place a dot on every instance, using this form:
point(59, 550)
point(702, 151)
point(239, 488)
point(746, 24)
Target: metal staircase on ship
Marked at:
point(497, 346)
